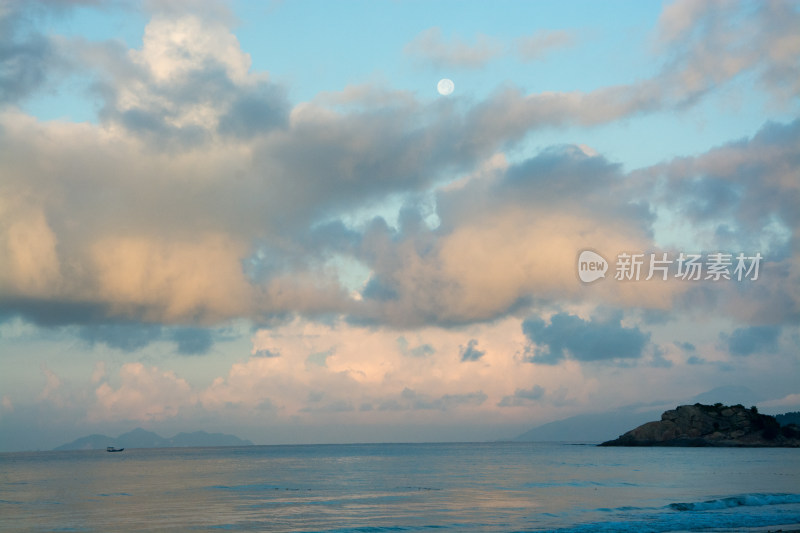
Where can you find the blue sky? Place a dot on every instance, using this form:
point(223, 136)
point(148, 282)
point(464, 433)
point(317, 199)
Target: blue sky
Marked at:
point(262, 218)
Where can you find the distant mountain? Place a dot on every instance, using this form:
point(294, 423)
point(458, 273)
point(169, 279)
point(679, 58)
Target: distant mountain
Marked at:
point(596, 427)
point(789, 418)
point(92, 442)
point(140, 438)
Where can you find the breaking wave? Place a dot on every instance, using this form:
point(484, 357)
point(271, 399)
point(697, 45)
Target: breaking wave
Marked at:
point(744, 500)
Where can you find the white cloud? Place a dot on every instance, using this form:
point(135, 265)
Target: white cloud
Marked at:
point(431, 46)
point(144, 394)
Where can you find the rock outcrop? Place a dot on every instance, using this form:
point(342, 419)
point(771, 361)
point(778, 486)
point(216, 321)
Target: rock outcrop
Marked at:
point(711, 425)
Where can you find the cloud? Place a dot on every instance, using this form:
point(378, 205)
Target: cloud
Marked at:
point(686, 346)
point(131, 337)
point(523, 397)
point(28, 59)
point(192, 341)
point(470, 352)
point(336, 406)
point(715, 42)
point(508, 235)
point(584, 340)
point(431, 47)
point(266, 353)
point(411, 400)
point(535, 47)
point(745, 193)
point(195, 202)
point(144, 394)
point(753, 339)
point(423, 350)
point(189, 82)
point(320, 358)
point(125, 337)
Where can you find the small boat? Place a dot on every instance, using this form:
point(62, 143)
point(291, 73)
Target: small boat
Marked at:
point(112, 449)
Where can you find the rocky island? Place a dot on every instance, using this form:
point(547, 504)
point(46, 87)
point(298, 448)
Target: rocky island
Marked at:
point(712, 425)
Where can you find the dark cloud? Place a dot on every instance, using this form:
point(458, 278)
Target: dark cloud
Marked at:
point(470, 352)
point(244, 112)
point(686, 346)
point(754, 339)
point(266, 353)
point(28, 59)
point(558, 172)
point(594, 340)
point(130, 337)
point(192, 341)
point(255, 113)
point(125, 337)
point(375, 290)
point(708, 196)
point(53, 312)
point(24, 65)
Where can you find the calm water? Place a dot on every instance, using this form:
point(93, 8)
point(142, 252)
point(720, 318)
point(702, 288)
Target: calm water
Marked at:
point(498, 487)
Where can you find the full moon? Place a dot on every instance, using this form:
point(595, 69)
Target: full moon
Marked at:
point(445, 87)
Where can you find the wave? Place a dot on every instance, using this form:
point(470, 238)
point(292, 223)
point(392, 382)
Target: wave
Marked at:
point(744, 500)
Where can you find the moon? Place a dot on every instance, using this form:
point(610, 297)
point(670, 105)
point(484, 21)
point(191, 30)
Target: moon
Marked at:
point(445, 87)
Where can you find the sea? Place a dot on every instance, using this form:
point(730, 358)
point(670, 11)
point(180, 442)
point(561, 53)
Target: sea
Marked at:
point(365, 488)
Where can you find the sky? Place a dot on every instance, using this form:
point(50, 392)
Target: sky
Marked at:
point(261, 218)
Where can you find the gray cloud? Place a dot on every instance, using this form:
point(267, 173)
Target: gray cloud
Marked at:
point(28, 59)
point(192, 341)
point(266, 353)
point(264, 208)
point(715, 42)
point(686, 346)
point(747, 190)
point(52, 312)
point(255, 112)
point(753, 339)
point(244, 112)
point(458, 272)
point(423, 350)
point(470, 352)
point(411, 400)
point(133, 336)
point(125, 337)
point(336, 406)
point(594, 340)
point(523, 397)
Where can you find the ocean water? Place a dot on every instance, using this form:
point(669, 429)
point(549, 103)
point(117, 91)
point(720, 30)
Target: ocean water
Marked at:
point(477, 487)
